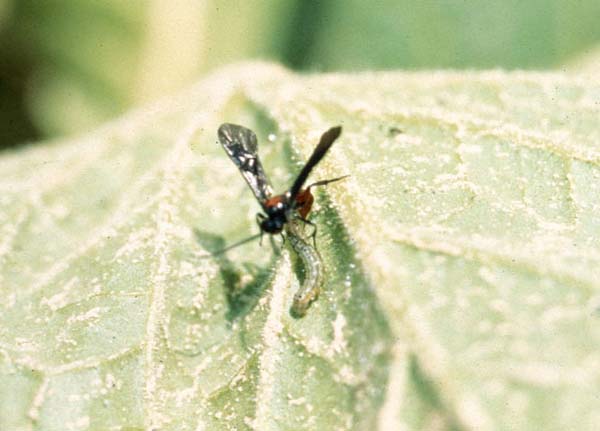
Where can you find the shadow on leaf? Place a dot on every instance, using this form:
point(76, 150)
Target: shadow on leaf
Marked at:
point(243, 283)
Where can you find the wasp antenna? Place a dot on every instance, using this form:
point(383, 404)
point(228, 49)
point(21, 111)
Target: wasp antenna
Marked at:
point(229, 247)
point(325, 182)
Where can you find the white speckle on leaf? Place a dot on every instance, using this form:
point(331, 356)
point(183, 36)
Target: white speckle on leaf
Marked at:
point(339, 342)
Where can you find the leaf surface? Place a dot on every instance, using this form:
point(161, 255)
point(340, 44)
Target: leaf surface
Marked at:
point(461, 261)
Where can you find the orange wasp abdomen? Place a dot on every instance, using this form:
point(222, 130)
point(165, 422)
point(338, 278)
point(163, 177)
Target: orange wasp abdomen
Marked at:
point(304, 202)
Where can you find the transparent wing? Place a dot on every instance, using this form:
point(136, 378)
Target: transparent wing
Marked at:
point(241, 146)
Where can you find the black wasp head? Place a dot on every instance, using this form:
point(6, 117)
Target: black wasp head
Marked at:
point(277, 217)
point(274, 224)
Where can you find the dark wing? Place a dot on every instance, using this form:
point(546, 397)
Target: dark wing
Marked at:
point(327, 139)
point(240, 144)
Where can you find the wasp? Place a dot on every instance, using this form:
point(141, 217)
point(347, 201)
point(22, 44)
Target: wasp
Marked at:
point(241, 146)
point(283, 211)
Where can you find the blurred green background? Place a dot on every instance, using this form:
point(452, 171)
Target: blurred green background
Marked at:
point(68, 65)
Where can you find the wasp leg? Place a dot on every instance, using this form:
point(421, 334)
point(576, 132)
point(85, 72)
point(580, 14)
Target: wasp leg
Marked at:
point(313, 235)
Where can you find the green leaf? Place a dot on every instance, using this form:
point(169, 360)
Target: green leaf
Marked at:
point(461, 261)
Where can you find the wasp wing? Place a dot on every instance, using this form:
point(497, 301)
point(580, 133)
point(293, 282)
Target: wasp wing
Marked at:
point(327, 140)
point(241, 146)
